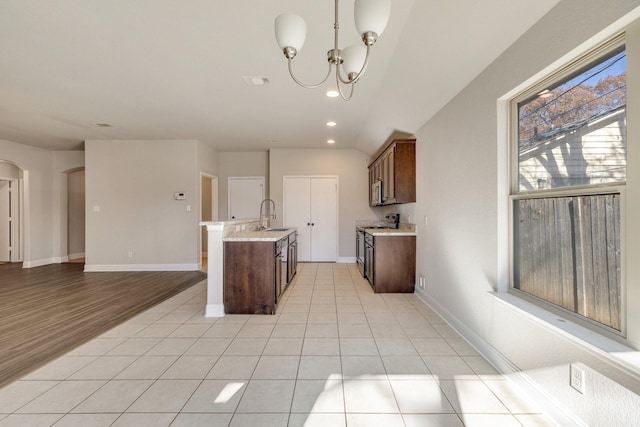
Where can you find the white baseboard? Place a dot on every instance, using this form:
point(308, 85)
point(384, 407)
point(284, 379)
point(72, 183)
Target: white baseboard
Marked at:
point(41, 262)
point(346, 260)
point(504, 366)
point(140, 267)
point(214, 310)
point(74, 256)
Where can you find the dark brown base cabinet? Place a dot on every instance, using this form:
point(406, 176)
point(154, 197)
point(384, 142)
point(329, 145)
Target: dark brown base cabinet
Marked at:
point(251, 275)
point(255, 275)
point(390, 264)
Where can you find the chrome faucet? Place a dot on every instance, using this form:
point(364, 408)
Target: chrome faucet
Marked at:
point(273, 204)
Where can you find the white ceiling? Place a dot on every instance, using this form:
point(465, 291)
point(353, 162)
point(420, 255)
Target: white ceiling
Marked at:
point(173, 69)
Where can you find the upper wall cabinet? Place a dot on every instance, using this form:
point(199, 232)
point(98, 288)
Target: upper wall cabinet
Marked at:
point(392, 174)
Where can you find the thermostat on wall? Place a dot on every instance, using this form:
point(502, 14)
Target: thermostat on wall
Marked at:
point(180, 196)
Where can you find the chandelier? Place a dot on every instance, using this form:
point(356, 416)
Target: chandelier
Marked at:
point(371, 18)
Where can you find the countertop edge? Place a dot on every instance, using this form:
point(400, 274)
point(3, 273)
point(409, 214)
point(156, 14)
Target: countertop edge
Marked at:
point(258, 236)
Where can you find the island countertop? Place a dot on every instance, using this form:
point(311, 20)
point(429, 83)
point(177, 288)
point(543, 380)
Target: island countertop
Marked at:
point(389, 232)
point(272, 235)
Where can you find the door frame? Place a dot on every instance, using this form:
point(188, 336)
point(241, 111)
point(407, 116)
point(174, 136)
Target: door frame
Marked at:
point(214, 211)
point(64, 215)
point(18, 219)
point(284, 199)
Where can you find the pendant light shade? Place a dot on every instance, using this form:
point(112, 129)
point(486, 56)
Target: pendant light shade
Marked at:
point(291, 31)
point(354, 57)
point(372, 15)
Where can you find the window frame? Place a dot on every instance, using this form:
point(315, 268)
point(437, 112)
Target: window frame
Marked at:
point(515, 194)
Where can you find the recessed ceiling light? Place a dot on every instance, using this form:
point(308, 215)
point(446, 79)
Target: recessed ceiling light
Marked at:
point(331, 124)
point(333, 94)
point(331, 141)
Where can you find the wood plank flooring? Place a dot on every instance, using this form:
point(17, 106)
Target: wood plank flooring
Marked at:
point(47, 311)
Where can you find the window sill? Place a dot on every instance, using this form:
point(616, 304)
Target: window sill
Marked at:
point(620, 355)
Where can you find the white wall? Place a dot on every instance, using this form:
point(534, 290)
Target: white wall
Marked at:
point(353, 181)
point(458, 180)
point(254, 163)
point(139, 225)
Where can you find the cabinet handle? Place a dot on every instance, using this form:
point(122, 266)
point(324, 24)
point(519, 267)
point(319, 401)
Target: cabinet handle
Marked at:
point(308, 223)
point(312, 224)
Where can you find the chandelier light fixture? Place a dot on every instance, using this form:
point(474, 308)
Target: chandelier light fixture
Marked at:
point(371, 18)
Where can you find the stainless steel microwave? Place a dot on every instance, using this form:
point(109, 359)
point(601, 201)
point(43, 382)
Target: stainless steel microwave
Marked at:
point(376, 193)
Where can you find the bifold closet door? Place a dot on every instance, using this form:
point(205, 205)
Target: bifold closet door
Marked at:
point(310, 205)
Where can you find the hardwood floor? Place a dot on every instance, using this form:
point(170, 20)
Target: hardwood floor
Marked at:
point(47, 311)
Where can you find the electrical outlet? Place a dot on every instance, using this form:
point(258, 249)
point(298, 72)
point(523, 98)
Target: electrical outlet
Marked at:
point(577, 378)
point(422, 282)
point(130, 253)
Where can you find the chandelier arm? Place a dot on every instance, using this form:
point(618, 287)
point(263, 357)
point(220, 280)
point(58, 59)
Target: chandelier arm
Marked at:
point(364, 66)
point(338, 79)
point(308, 86)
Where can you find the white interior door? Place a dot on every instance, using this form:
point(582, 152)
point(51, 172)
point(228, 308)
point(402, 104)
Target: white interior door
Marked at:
point(245, 196)
point(310, 204)
point(5, 222)
point(324, 219)
point(297, 212)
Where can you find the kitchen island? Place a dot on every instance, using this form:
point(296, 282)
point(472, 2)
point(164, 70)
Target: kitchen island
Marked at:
point(244, 231)
point(258, 266)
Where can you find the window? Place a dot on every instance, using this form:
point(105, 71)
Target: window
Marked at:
point(569, 156)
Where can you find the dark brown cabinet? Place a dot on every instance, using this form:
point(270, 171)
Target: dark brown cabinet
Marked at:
point(390, 263)
point(395, 168)
point(292, 257)
point(256, 273)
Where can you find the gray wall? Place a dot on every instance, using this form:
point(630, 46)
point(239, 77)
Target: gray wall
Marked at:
point(44, 241)
point(139, 224)
point(463, 252)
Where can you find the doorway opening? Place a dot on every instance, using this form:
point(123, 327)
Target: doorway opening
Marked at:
point(208, 212)
point(76, 215)
point(11, 212)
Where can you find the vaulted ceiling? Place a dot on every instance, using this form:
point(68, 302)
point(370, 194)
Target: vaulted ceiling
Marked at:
point(169, 69)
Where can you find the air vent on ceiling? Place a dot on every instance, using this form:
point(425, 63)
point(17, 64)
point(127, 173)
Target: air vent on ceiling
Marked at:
point(103, 125)
point(255, 80)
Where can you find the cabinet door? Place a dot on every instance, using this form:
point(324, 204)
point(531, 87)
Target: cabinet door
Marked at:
point(389, 183)
point(372, 179)
point(369, 261)
point(291, 261)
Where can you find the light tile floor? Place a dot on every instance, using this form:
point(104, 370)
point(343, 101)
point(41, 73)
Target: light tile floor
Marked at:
point(336, 354)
